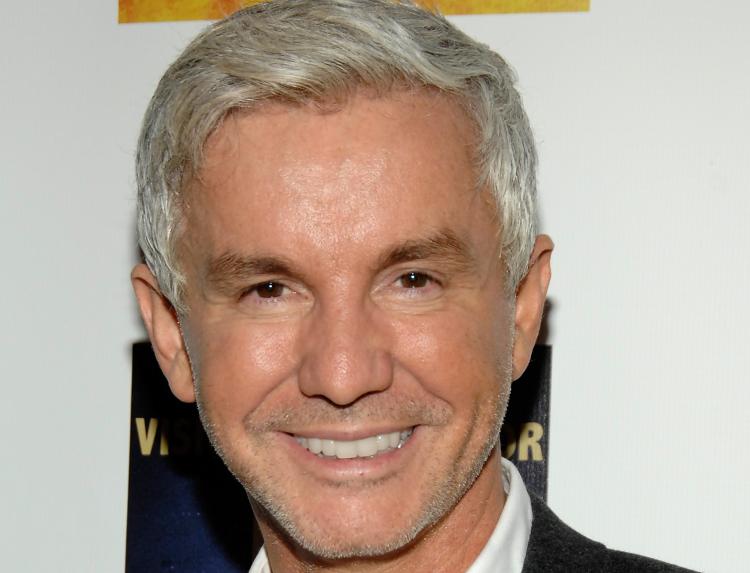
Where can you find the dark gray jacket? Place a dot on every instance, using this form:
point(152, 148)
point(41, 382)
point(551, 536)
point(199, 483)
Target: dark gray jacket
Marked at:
point(554, 547)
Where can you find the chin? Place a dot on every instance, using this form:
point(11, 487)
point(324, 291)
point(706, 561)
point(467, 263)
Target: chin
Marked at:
point(334, 535)
point(342, 536)
point(340, 541)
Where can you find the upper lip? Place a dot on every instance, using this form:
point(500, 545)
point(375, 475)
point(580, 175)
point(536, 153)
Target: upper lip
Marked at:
point(348, 434)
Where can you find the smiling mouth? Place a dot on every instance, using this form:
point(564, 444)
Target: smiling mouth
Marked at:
point(364, 448)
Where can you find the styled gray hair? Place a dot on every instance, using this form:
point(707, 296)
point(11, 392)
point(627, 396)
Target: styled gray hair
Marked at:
point(307, 51)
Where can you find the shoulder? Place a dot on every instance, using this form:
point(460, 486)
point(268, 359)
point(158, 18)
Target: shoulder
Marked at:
point(619, 561)
point(553, 546)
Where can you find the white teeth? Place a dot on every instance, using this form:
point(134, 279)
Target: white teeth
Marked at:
point(394, 438)
point(314, 445)
point(364, 448)
point(329, 447)
point(346, 450)
point(367, 447)
point(383, 442)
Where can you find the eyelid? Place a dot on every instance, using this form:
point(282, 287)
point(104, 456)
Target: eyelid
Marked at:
point(429, 276)
point(256, 286)
point(253, 288)
point(390, 287)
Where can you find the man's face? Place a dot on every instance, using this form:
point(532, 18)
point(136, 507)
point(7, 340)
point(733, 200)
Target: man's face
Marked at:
point(347, 326)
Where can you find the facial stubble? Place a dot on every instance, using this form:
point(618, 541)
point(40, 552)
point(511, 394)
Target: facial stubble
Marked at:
point(447, 489)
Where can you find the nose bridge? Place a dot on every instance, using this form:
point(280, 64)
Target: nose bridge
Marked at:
point(346, 356)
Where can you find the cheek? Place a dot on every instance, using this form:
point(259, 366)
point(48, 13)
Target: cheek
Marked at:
point(460, 359)
point(238, 365)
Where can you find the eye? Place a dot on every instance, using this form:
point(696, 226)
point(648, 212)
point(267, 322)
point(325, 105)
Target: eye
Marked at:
point(413, 287)
point(274, 299)
point(268, 290)
point(414, 279)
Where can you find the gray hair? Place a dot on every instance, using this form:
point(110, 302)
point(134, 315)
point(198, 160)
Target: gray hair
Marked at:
point(319, 51)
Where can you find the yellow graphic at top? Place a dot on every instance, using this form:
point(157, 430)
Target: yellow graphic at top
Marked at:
point(171, 10)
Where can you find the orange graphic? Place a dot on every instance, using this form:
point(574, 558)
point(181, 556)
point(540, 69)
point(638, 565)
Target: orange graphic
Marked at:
point(171, 10)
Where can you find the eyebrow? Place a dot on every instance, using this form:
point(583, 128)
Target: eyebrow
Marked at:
point(444, 245)
point(229, 269)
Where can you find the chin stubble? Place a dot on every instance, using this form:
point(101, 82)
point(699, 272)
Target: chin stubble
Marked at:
point(448, 490)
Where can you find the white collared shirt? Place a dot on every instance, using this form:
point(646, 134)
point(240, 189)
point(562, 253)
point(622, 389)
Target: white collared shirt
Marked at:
point(505, 549)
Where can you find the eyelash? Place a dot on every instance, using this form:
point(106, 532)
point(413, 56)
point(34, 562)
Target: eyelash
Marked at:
point(418, 277)
point(423, 280)
point(255, 289)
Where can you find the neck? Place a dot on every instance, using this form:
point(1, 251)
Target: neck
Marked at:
point(449, 546)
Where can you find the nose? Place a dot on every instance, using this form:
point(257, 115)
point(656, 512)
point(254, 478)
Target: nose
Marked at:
point(346, 355)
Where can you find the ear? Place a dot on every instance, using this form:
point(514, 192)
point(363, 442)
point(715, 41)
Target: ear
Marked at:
point(164, 331)
point(530, 297)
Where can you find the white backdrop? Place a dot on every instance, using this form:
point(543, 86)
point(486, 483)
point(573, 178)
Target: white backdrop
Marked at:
point(642, 112)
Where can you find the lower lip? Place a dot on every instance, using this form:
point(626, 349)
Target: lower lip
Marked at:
point(331, 468)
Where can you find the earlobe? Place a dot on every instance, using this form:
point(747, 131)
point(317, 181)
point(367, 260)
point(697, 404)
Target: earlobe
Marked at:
point(530, 297)
point(164, 331)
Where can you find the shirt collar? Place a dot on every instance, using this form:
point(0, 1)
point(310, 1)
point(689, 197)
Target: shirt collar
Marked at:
point(505, 549)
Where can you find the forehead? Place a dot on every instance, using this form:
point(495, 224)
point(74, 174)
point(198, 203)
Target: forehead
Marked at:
point(373, 170)
point(427, 123)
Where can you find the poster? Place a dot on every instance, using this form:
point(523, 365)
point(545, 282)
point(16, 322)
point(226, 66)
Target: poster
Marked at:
point(131, 11)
